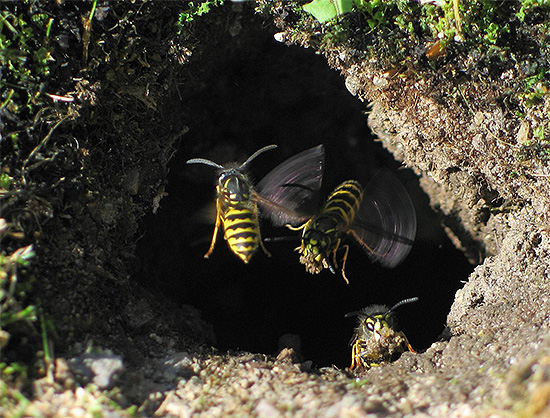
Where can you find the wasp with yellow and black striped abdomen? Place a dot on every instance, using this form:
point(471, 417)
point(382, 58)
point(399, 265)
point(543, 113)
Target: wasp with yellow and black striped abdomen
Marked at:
point(381, 217)
point(376, 339)
point(236, 208)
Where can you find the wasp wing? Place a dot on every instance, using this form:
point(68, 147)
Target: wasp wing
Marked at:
point(385, 224)
point(288, 193)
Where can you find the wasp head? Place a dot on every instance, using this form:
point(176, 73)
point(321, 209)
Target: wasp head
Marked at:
point(316, 243)
point(314, 249)
point(234, 185)
point(375, 326)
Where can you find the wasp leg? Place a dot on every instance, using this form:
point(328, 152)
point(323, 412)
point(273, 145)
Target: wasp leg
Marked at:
point(301, 247)
point(408, 344)
point(297, 228)
point(336, 246)
point(265, 249)
point(346, 251)
point(360, 241)
point(354, 356)
point(262, 245)
point(334, 264)
point(259, 233)
point(344, 259)
point(216, 229)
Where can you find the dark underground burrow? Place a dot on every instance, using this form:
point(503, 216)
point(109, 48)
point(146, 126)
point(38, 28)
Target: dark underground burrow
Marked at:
point(254, 93)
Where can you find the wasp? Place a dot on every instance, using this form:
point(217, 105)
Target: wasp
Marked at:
point(380, 217)
point(376, 339)
point(236, 208)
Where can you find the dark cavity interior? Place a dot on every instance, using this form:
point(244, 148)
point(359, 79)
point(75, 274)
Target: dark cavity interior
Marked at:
point(250, 92)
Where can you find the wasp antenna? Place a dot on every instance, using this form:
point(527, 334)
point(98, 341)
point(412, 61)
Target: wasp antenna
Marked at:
point(403, 302)
point(264, 149)
point(331, 268)
point(204, 161)
point(351, 314)
point(282, 238)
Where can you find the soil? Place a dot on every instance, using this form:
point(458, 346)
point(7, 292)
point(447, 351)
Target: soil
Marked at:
point(143, 325)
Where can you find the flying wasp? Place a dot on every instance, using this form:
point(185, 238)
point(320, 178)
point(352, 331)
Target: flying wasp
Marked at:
point(381, 217)
point(376, 339)
point(236, 208)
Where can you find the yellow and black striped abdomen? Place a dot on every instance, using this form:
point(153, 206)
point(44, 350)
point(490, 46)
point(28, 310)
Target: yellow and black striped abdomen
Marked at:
point(343, 204)
point(241, 230)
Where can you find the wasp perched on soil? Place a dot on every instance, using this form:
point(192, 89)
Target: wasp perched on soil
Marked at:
point(376, 339)
point(236, 208)
point(380, 217)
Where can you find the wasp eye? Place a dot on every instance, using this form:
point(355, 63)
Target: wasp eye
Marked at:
point(370, 326)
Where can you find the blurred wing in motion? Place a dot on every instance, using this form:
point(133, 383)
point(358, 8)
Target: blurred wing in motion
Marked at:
point(288, 194)
point(385, 224)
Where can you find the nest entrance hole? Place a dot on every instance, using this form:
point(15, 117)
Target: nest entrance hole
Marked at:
point(250, 93)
